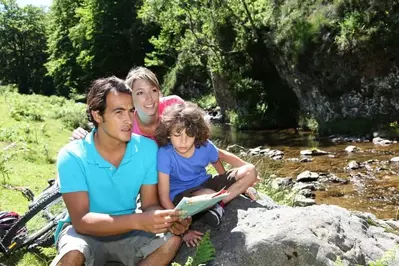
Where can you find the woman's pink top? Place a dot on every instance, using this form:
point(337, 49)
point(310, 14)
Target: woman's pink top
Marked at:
point(163, 102)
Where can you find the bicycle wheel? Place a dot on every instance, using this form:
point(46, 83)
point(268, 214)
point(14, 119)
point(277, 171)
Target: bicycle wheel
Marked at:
point(41, 218)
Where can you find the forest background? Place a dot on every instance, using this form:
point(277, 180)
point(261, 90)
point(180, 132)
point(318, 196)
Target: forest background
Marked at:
point(318, 64)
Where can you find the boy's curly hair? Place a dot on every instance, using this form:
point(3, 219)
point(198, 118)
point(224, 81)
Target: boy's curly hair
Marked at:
point(181, 116)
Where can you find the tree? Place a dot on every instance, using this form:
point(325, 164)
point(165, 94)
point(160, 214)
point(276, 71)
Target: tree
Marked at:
point(62, 65)
point(221, 37)
point(23, 47)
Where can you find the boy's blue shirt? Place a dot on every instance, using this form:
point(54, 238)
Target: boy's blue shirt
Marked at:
point(111, 190)
point(185, 173)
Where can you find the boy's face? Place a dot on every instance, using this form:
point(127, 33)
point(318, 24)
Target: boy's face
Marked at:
point(145, 97)
point(116, 122)
point(182, 143)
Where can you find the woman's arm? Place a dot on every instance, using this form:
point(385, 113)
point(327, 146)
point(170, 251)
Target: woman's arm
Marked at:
point(164, 191)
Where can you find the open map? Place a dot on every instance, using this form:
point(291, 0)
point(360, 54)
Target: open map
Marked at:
point(196, 204)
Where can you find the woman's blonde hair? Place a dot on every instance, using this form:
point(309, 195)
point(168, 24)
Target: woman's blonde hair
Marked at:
point(142, 73)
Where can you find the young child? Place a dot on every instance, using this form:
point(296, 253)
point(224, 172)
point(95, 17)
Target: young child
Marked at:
point(185, 152)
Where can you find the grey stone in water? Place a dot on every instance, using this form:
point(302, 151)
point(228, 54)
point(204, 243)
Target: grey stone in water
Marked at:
point(381, 141)
point(294, 160)
point(307, 193)
point(261, 233)
point(235, 148)
point(394, 160)
point(352, 148)
point(303, 201)
point(281, 183)
point(353, 165)
point(313, 152)
point(299, 186)
point(307, 176)
point(306, 160)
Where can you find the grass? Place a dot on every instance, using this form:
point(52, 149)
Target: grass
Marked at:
point(33, 129)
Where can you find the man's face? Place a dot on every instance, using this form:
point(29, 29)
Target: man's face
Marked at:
point(145, 97)
point(116, 122)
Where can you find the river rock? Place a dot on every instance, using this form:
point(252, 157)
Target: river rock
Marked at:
point(352, 148)
point(307, 176)
point(353, 165)
point(313, 152)
point(281, 183)
point(381, 141)
point(235, 148)
point(394, 160)
point(263, 233)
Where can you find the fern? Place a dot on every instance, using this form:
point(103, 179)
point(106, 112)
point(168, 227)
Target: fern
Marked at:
point(205, 252)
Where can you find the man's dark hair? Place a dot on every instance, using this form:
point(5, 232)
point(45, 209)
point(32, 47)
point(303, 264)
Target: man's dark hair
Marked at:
point(181, 116)
point(97, 94)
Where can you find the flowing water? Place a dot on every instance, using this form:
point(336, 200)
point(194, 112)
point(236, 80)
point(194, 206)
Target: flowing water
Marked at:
point(374, 188)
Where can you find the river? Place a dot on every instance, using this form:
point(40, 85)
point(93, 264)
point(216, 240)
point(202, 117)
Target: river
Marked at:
point(373, 189)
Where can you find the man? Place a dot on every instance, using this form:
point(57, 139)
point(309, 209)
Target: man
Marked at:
point(100, 178)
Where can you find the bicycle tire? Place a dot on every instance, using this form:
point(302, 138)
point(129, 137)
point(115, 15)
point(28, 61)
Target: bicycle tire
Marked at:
point(40, 205)
point(45, 241)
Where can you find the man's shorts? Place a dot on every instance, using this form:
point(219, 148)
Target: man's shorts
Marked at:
point(127, 250)
point(215, 183)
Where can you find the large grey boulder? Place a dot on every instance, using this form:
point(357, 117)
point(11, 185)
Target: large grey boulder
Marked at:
point(263, 233)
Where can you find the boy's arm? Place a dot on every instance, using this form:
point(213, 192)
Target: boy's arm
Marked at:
point(219, 167)
point(234, 160)
point(230, 158)
point(164, 190)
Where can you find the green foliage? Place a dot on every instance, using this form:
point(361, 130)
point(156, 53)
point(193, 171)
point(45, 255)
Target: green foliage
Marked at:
point(207, 101)
point(73, 115)
point(28, 151)
point(386, 259)
point(23, 47)
point(38, 108)
point(307, 122)
point(204, 253)
point(221, 38)
point(94, 38)
point(30, 111)
point(348, 126)
point(62, 64)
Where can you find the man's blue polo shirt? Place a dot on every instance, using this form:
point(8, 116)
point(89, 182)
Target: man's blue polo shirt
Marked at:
point(111, 190)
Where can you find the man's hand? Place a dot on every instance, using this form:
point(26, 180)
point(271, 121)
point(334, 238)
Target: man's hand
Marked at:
point(181, 226)
point(159, 221)
point(78, 133)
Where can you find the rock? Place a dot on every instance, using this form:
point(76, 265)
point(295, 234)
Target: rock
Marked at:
point(235, 148)
point(352, 148)
point(263, 233)
point(281, 183)
point(306, 160)
point(300, 186)
point(329, 177)
point(307, 193)
point(381, 141)
point(394, 160)
point(353, 165)
point(307, 176)
point(313, 152)
point(302, 201)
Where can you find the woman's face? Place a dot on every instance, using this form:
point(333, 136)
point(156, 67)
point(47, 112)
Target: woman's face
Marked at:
point(145, 97)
